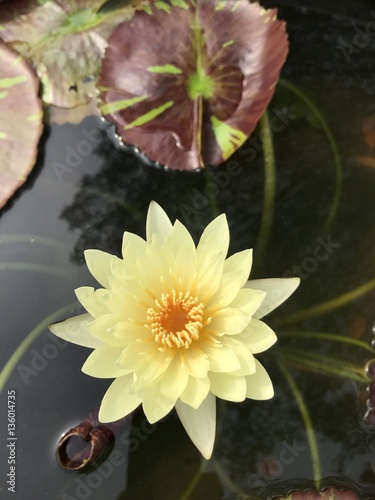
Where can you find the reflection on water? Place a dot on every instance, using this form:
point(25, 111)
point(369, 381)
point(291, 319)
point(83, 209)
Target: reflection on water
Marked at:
point(86, 199)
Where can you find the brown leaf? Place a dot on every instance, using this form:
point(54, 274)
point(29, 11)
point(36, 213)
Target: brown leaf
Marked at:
point(21, 121)
point(327, 494)
point(187, 81)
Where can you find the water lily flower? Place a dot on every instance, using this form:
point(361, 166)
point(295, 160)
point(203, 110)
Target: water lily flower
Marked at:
point(176, 325)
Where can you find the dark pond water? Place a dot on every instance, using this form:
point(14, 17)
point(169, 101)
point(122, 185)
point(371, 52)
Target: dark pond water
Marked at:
point(87, 190)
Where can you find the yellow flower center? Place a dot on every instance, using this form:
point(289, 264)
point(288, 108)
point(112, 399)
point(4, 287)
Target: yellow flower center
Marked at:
point(176, 320)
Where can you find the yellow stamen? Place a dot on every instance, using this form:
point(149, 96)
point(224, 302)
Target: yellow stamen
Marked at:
point(176, 320)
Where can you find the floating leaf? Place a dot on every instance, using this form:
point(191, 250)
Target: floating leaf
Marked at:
point(65, 40)
point(187, 81)
point(75, 115)
point(328, 494)
point(20, 122)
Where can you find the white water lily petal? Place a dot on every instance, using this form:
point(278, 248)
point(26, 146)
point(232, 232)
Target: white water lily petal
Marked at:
point(124, 272)
point(179, 238)
point(277, 289)
point(185, 276)
point(175, 381)
point(104, 329)
point(240, 261)
point(150, 367)
point(100, 265)
point(259, 385)
point(130, 357)
point(127, 308)
point(76, 330)
point(119, 401)
point(228, 387)
point(196, 391)
point(127, 331)
point(141, 296)
point(216, 235)
point(92, 300)
point(221, 358)
point(132, 246)
point(102, 363)
point(258, 336)
point(156, 263)
point(200, 423)
point(195, 362)
point(228, 289)
point(155, 405)
point(209, 273)
point(229, 322)
point(243, 353)
point(158, 223)
point(248, 300)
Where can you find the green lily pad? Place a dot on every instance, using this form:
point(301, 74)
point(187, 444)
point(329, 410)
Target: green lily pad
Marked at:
point(20, 121)
point(65, 40)
point(187, 81)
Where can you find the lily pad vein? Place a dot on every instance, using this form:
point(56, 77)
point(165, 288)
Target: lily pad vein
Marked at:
point(149, 116)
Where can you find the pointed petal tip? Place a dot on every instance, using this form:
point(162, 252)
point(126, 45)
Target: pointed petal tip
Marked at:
point(103, 418)
point(207, 453)
point(75, 330)
point(153, 205)
point(158, 222)
point(118, 402)
point(278, 290)
point(295, 280)
point(205, 449)
point(200, 424)
point(222, 218)
point(259, 384)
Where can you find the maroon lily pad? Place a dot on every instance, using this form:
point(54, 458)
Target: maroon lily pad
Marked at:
point(187, 81)
point(327, 494)
point(20, 122)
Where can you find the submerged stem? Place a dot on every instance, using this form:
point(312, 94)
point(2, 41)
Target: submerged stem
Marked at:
point(225, 479)
point(212, 197)
point(314, 452)
point(269, 188)
point(33, 240)
point(192, 485)
point(322, 364)
point(23, 346)
point(327, 306)
point(326, 336)
point(27, 266)
point(332, 142)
